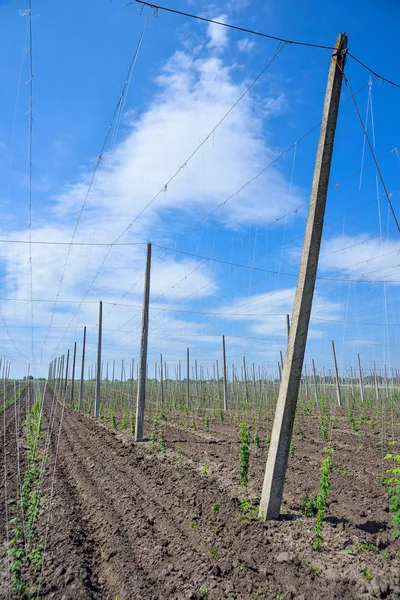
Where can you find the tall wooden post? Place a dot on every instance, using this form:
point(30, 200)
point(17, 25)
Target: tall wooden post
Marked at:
point(315, 383)
point(336, 375)
point(66, 373)
point(73, 375)
point(278, 454)
point(98, 369)
point(225, 375)
point(142, 373)
point(82, 369)
point(161, 380)
point(187, 376)
point(246, 390)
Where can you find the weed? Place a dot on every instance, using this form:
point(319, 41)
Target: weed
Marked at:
point(343, 472)
point(315, 570)
point(256, 440)
point(363, 547)
point(204, 471)
point(203, 591)
point(249, 508)
point(392, 485)
point(321, 500)
point(213, 554)
point(367, 574)
point(194, 426)
point(216, 507)
point(300, 432)
point(194, 525)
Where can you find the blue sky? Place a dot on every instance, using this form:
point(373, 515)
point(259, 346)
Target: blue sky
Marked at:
point(186, 78)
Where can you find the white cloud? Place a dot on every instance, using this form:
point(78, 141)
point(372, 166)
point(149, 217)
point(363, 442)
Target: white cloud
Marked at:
point(246, 45)
point(194, 93)
point(218, 34)
point(266, 313)
point(362, 257)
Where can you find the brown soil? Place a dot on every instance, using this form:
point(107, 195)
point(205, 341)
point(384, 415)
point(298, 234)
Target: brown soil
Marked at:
point(129, 523)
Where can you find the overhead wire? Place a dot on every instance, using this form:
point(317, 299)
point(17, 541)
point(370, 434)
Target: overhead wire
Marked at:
point(157, 7)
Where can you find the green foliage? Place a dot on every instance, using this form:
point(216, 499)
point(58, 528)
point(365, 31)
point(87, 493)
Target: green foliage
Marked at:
point(16, 556)
point(321, 500)
point(256, 440)
point(244, 453)
point(213, 554)
point(324, 424)
point(204, 471)
point(351, 419)
point(21, 544)
point(216, 507)
point(300, 432)
point(363, 547)
point(249, 509)
point(392, 485)
point(123, 421)
point(203, 591)
point(367, 574)
point(113, 419)
point(308, 506)
point(315, 570)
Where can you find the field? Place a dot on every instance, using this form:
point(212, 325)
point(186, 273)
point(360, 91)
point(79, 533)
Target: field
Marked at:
point(169, 518)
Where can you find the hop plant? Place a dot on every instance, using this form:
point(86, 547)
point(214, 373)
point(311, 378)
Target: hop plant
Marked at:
point(392, 484)
point(321, 500)
point(244, 453)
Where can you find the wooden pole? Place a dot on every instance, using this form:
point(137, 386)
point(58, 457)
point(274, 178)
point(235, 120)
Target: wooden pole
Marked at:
point(142, 377)
point(278, 453)
point(98, 369)
point(66, 373)
point(73, 374)
point(187, 376)
point(225, 375)
point(338, 393)
point(161, 381)
point(82, 369)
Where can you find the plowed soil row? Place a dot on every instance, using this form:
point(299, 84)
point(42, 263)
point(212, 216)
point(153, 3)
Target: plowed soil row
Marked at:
point(127, 522)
